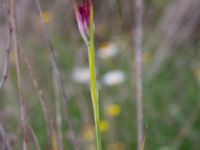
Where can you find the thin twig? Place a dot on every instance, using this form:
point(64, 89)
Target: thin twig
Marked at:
point(58, 110)
point(58, 78)
point(41, 99)
point(34, 137)
point(138, 71)
point(50, 129)
point(4, 142)
point(7, 50)
point(19, 73)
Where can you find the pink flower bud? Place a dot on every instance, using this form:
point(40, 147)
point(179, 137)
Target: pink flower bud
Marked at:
point(83, 18)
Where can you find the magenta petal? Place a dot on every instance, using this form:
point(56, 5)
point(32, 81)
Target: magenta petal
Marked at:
point(81, 27)
point(83, 19)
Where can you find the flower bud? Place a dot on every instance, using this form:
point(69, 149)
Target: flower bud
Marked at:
point(83, 19)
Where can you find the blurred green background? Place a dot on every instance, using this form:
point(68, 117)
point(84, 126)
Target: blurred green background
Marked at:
point(171, 74)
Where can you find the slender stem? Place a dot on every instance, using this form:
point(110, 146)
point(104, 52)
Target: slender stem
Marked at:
point(4, 142)
point(55, 75)
point(19, 73)
point(138, 71)
point(94, 94)
point(41, 99)
point(7, 50)
point(59, 87)
point(93, 83)
point(35, 139)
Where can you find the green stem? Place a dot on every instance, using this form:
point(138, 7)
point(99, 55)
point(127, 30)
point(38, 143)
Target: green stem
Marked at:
point(93, 83)
point(94, 95)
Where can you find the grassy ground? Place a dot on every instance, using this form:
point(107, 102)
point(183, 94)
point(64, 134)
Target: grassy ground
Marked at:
point(171, 93)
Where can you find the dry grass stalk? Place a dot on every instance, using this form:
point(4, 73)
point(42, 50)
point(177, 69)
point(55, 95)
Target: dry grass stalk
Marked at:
point(7, 49)
point(17, 51)
point(138, 71)
point(41, 99)
point(59, 87)
point(35, 139)
point(176, 27)
point(4, 143)
point(51, 132)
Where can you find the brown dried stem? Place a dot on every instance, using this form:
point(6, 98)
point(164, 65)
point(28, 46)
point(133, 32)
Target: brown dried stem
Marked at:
point(19, 73)
point(138, 71)
point(41, 99)
point(59, 85)
point(4, 142)
point(35, 139)
point(7, 50)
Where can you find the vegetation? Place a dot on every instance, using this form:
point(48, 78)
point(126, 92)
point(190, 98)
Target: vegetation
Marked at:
point(55, 76)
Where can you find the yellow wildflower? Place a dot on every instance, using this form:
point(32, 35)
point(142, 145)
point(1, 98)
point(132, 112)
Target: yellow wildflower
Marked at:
point(113, 110)
point(54, 141)
point(104, 126)
point(47, 16)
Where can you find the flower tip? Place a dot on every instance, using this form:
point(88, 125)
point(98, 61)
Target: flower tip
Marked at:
point(90, 2)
